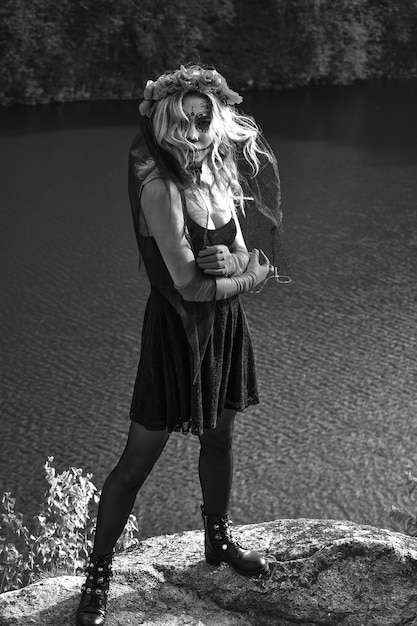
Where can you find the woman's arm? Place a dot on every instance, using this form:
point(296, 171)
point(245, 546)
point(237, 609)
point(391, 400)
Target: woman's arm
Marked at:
point(165, 220)
point(163, 212)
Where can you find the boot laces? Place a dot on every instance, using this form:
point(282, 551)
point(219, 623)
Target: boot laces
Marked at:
point(226, 525)
point(96, 585)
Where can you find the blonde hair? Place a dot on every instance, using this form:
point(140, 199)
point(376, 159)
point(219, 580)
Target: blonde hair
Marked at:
point(231, 132)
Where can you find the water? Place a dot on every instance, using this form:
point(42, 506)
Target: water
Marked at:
point(336, 351)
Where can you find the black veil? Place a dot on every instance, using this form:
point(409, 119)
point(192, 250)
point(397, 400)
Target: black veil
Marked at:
point(261, 226)
point(261, 222)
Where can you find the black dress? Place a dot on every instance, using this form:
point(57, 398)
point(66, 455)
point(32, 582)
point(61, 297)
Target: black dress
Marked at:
point(171, 392)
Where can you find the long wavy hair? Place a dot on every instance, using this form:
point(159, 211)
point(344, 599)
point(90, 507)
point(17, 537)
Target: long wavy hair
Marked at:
point(234, 135)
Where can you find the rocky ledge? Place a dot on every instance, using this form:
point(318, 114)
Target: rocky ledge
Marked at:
point(323, 572)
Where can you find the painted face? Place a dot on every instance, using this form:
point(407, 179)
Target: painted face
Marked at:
point(198, 110)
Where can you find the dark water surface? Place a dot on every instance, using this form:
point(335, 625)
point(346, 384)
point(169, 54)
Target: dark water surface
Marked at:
point(336, 351)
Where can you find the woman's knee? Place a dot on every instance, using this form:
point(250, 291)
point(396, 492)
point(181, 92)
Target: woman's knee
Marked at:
point(217, 440)
point(130, 475)
point(142, 450)
point(217, 446)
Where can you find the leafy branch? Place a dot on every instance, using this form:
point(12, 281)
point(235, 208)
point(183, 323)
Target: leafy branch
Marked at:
point(64, 529)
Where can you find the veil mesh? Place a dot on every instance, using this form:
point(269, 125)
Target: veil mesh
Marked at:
point(143, 148)
point(197, 317)
point(261, 223)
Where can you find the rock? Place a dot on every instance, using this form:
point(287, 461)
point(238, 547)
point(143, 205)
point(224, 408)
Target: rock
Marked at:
point(323, 572)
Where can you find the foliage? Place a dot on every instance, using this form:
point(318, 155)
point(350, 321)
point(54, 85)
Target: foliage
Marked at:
point(86, 49)
point(63, 530)
point(407, 520)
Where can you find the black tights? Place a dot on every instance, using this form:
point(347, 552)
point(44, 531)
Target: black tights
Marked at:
point(215, 465)
point(142, 450)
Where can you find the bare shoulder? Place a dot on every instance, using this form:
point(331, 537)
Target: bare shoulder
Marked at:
point(161, 203)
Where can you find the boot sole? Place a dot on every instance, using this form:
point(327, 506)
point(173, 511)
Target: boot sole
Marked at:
point(212, 560)
point(78, 623)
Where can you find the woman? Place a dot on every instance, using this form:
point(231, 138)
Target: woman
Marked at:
point(196, 369)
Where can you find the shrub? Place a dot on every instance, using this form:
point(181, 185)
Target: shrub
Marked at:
point(63, 530)
point(407, 520)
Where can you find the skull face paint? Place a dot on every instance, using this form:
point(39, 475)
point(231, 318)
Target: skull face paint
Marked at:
point(198, 111)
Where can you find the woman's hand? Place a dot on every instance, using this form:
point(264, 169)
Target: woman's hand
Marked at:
point(259, 264)
point(216, 260)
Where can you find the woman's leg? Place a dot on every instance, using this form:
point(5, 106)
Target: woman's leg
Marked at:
point(216, 473)
point(142, 450)
point(216, 464)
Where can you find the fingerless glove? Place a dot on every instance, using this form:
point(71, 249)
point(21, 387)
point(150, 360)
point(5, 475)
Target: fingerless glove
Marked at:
point(204, 289)
point(201, 288)
point(238, 263)
point(228, 287)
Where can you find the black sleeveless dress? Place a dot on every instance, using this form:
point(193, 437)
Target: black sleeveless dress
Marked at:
point(168, 394)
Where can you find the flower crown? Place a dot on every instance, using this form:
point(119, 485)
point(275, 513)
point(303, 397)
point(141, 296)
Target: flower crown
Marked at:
point(194, 78)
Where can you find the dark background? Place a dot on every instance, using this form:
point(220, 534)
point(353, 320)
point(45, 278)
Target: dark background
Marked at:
point(100, 49)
